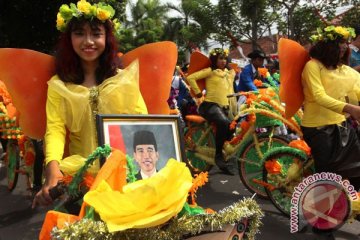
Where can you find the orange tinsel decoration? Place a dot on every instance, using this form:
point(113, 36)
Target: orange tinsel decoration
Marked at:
point(88, 180)
point(300, 144)
point(199, 180)
point(273, 166)
point(258, 83)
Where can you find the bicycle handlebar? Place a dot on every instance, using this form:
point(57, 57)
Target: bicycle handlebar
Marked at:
point(57, 191)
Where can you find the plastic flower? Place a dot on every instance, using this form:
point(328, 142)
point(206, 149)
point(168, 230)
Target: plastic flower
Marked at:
point(332, 33)
point(84, 7)
point(60, 22)
point(342, 31)
point(102, 14)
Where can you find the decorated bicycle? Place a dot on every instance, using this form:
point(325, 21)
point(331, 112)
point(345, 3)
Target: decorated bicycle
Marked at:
point(19, 151)
point(261, 110)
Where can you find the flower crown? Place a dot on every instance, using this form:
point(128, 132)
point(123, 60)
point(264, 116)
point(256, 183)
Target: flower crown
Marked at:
point(216, 51)
point(332, 33)
point(84, 9)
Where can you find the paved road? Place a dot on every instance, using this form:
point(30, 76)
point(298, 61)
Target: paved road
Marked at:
point(19, 222)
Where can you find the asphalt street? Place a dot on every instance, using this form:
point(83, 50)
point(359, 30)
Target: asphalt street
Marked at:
point(19, 222)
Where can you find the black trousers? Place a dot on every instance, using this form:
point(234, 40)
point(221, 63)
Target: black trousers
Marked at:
point(213, 113)
point(38, 163)
point(335, 149)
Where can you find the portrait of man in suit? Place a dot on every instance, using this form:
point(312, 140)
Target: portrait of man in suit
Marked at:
point(145, 153)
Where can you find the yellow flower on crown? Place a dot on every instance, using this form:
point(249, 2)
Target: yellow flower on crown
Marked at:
point(342, 31)
point(60, 21)
point(84, 6)
point(102, 14)
point(84, 9)
point(332, 33)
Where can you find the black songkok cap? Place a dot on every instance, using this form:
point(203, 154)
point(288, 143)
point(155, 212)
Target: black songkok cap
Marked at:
point(144, 138)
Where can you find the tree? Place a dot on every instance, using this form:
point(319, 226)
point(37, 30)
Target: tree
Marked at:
point(192, 27)
point(249, 20)
point(305, 21)
point(146, 24)
point(352, 16)
point(324, 8)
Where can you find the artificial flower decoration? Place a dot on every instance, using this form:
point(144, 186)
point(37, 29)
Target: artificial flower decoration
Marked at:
point(84, 9)
point(263, 72)
point(332, 33)
point(216, 51)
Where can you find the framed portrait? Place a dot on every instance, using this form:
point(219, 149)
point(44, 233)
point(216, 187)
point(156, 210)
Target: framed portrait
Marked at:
point(129, 132)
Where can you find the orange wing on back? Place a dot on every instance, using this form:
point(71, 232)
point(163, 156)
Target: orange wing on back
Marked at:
point(25, 74)
point(292, 59)
point(157, 63)
point(198, 61)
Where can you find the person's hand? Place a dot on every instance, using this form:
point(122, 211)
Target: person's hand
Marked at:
point(353, 110)
point(199, 95)
point(199, 98)
point(52, 177)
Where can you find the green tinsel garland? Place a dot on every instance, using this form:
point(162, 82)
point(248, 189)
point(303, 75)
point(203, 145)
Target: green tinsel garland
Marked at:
point(131, 169)
point(175, 229)
point(73, 188)
point(285, 149)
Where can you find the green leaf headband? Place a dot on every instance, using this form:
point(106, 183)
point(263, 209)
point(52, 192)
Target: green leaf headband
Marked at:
point(332, 33)
point(84, 9)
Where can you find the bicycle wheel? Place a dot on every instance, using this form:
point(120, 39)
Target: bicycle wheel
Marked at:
point(199, 148)
point(12, 163)
point(251, 165)
point(281, 184)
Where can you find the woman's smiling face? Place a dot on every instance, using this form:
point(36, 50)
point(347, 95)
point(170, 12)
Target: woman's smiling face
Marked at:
point(89, 42)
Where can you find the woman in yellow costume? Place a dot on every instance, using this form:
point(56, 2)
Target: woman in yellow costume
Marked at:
point(87, 82)
point(327, 81)
point(216, 106)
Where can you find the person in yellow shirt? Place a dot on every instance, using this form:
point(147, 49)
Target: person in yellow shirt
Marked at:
point(327, 83)
point(215, 107)
point(87, 81)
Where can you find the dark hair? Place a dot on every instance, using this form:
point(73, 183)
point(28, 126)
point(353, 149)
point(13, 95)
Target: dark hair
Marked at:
point(213, 60)
point(144, 137)
point(328, 53)
point(68, 65)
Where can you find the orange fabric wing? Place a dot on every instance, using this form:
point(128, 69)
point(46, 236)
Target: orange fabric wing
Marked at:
point(292, 59)
point(25, 74)
point(198, 61)
point(157, 64)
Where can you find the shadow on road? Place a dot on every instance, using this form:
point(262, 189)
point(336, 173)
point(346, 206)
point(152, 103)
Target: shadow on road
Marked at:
point(13, 217)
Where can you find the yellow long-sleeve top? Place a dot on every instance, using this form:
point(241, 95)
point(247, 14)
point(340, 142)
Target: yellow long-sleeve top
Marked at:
point(219, 83)
point(73, 107)
point(325, 91)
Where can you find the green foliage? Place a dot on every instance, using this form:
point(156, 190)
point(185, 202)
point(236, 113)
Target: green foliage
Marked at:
point(351, 18)
point(192, 27)
point(305, 22)
point(246, 20)
point(146, 25)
